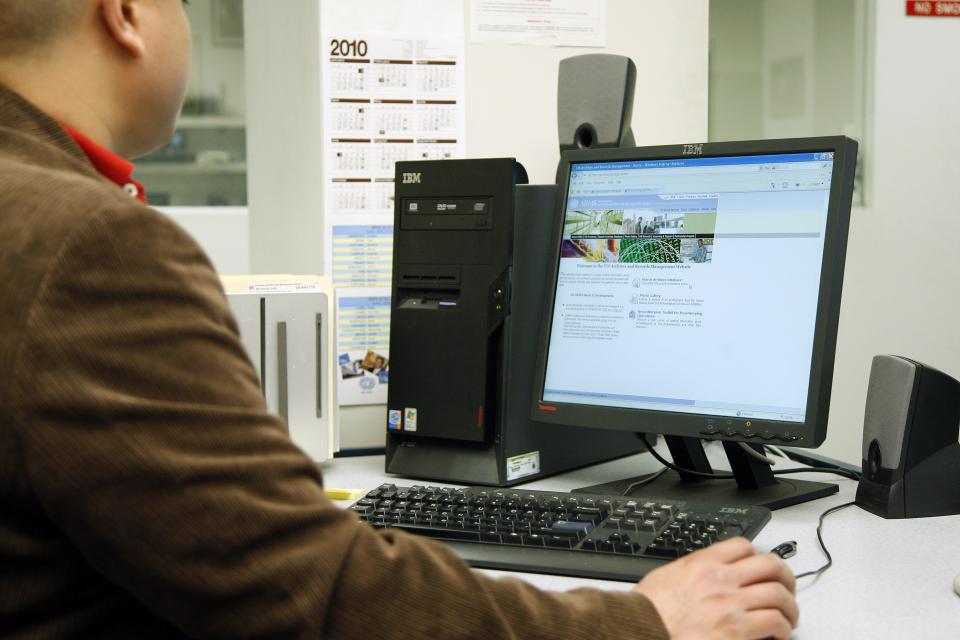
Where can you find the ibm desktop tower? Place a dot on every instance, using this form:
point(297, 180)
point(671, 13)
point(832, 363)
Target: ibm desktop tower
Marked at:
point(471, 247)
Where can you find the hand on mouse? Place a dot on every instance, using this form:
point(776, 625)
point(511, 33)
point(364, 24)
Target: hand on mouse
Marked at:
point(727, 591)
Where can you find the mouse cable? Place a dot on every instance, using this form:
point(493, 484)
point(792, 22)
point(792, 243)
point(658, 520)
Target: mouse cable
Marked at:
point(818, 572)
point(644, 480)
point(729, 476)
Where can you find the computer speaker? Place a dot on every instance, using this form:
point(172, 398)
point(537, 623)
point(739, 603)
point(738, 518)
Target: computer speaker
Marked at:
point(595, 101)
point(911, 453)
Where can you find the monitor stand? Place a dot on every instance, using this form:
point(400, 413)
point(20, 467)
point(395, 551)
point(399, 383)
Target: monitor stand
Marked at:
point(754, 482)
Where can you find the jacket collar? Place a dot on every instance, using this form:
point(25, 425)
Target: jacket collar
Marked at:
point(22, 126)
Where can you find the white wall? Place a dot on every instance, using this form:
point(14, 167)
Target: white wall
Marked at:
point(901, 289)
point(284, 136)
point(512, 90)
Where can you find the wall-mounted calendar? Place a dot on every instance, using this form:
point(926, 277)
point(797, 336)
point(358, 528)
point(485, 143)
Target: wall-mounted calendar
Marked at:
point(394, 87)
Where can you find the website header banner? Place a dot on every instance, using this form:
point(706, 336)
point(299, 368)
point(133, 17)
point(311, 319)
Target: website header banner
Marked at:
point(702, 162)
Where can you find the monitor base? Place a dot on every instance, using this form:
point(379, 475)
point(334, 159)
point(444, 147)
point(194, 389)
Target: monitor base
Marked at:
point(669, 486)
point(750, 481)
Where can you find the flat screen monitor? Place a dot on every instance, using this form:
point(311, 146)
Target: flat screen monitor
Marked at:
point(695, 290)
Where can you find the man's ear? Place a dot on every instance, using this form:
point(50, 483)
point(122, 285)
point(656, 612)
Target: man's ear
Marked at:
point(122, 20)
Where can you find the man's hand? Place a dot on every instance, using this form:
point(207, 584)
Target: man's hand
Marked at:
point(726, 591)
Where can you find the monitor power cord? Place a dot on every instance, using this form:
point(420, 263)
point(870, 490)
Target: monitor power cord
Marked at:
point(853, 475)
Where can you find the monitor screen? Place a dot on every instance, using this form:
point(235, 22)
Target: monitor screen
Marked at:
point(690, 286)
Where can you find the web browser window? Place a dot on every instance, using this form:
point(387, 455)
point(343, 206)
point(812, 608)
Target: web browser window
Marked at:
point(690, 285)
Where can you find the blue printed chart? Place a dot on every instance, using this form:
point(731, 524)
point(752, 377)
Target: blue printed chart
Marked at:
point(362, 255)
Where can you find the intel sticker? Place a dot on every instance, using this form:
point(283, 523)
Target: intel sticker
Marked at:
point(524, 465)
point(393, 419)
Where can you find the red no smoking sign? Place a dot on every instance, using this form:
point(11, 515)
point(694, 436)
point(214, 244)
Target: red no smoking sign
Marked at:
point(933, 9)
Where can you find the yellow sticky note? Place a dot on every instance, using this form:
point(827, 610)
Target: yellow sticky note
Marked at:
point(344, 494)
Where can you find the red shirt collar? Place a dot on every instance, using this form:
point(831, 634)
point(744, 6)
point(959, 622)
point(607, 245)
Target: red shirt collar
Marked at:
point(111, 166)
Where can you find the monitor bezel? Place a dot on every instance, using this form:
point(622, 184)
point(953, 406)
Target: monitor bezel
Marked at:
point(813, 430)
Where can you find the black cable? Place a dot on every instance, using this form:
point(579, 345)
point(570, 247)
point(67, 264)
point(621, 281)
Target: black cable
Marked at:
point(816, 463)
point(644, 480)
point(818, 572)
point(670, 465)
point(725, 476)
point(838, 471)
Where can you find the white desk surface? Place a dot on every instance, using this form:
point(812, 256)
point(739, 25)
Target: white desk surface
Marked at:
point(889, 579)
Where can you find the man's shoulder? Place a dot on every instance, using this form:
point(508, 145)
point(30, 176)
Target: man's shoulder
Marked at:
point(56, 222)
point(43, 205)
point(52, 191)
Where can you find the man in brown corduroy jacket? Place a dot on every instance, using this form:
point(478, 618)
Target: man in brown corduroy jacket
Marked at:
point(144, 490)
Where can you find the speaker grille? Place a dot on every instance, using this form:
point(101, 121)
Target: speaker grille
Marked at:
point(892, 381)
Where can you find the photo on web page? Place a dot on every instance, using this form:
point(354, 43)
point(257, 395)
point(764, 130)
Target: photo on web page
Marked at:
point(696, 250)
point(650, 230)
point(665, 250)
point(591, 249)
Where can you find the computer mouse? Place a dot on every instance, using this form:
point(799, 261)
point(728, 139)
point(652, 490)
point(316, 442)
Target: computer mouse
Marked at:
point(956, 585)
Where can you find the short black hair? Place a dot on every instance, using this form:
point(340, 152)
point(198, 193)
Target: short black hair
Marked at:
point(28, 25)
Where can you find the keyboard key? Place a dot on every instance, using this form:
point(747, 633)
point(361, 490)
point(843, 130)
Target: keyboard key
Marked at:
point(629, 524)
point(661, 550)
point(588, 514)
point(561, 542)
point(490, 536)
point(363, 510)
point(438, 532)
point(565, 527)
point(585, 517)
point(534, 540)
point(513, 538)
point(648, 525)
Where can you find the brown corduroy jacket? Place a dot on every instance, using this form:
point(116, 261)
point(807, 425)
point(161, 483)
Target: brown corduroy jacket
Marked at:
point(144, 490)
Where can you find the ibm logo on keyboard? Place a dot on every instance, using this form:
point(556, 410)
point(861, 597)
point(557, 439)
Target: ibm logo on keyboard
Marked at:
point(411, 178)
point(737, 510)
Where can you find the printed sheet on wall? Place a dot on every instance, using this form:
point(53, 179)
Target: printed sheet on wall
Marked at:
point(394, 87)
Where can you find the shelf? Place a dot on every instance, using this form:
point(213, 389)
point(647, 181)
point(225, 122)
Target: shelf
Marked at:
point(189, 168)
point(211, 122)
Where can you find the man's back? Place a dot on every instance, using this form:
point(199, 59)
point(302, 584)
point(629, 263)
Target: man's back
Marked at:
point(146, 491)
point(53, 205)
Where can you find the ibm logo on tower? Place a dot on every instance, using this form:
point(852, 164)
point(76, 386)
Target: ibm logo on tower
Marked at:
point(411, 178)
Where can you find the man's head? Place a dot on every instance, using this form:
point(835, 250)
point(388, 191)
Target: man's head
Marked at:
point(116, 70)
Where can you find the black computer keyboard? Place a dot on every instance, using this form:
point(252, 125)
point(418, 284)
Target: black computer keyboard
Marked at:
point(593, 536)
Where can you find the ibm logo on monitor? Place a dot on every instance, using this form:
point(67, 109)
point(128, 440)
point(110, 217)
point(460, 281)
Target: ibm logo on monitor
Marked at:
point(692, 149)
